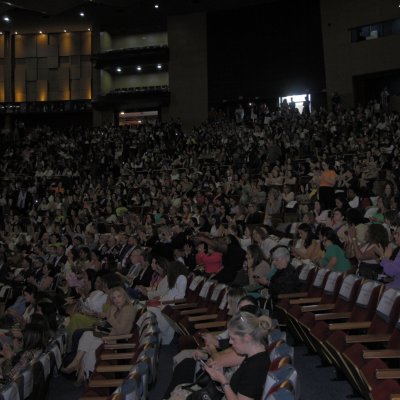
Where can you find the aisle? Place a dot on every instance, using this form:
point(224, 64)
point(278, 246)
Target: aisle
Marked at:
point(314, 381)
point(64, 389)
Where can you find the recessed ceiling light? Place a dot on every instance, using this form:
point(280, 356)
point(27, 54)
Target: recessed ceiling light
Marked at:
point(16, 33)
point(1, 33)
point(7, 19)
point(40, 32)
point(82, 14)
point(65, 31)
point(88, 29)
point(122, 113)
point(139, 68)
point(159, 66)
point(156, 5)
point(119, 69)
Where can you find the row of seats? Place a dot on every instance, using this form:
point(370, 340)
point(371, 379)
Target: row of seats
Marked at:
point(353, 324)
point(205, 308)
point(127, 364)
point(33, 382)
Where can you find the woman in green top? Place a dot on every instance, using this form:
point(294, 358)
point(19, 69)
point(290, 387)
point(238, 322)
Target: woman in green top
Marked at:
point(334, 257)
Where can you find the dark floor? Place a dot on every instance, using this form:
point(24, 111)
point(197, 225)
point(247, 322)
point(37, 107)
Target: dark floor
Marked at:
point(314, 383)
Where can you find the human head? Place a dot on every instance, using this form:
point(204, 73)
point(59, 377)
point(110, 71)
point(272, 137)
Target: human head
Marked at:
point(119, 297)
point(255, 253)
point(377, 234)
point(34, 337)
point(306, 233)
point(250, 327)
point(234, 295)
point(281, 257)
point(30, 293)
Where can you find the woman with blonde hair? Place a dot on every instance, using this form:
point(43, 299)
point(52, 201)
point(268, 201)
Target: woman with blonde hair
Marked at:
point(247, 334)
point(120, 316)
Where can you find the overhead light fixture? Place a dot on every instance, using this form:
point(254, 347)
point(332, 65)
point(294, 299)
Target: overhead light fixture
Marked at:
point(15, 33)
point(65, 31)
point(122, 113)
point(89, 29)
point(82, 14)
point(119, 69)
point(40, 32)
point(156, 5)
point(159, 66)
point(1, 33)
point(139, 68)
point(7, 19)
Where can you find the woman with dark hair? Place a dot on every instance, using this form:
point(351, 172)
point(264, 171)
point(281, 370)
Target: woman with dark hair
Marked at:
point(306, 248)
point(341, 201)
point(159, 282)
point(257, 266)
point(368, 254)
point(31, 347)
point(261, 237)
point(334, 257)
point(383, 204)
point(233, 256)
point(22, 314)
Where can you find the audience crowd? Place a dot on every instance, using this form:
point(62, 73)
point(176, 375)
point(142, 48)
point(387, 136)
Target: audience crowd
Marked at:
point(89, 217)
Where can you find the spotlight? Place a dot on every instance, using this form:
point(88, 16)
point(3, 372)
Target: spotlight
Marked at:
point(156, 5)
point(65, 31)
point(119, 69)
point(15, 33)
point(82, 14)
point(7, 19)
point(89, 29)
point(40, 32)
point(159, 66)
point(139, 68)
point(122, 113)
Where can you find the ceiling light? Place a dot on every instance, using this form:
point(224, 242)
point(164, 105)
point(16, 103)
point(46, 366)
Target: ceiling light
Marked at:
point(82, 14)
point(122, 113)
point(7, 19)
point(88, 29)
point(159, 66)
point(1, 33)
point(65, 31)
point(139, 68)
point(40, 32)
point(119, 69)
point(15, 33)
point(156, 5)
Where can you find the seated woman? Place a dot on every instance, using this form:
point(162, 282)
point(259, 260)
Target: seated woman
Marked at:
point(368, 255)
point(257, 266)
point(21, 311)
point(91, 306)
point(390, 261)
point(30, 347)
point(177, 283)
point(209, 259)
point(306, 248)
point(247, 335)
point(284, 278)
point(216, 348)
point(334, 257)
point(262, 239)
point(159, 281)
point(120, 316)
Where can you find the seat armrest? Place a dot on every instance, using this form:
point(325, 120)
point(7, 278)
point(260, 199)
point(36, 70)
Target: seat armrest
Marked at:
point(340, 326)
point(292, 295)
point(375, 338)
point(176, 301)
point(110, 338)
point(116, 356)
point(104, 383)
point(194, 311)
point(114, 368)
point(120, 346)
point(184, 306)
point(318, 307)
point(388, 373)
point(203, 317)
point(384, 353)
point(306, 300)
point(329, 316)
point(207, 325)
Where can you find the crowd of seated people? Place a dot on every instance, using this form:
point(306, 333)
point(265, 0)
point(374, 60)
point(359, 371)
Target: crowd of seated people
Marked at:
point(83, 211)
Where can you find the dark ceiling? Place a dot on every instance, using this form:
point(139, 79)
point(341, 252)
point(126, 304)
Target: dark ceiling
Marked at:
point(119, 16)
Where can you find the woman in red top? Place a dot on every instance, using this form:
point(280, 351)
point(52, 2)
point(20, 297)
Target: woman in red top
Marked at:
point(211, 260)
